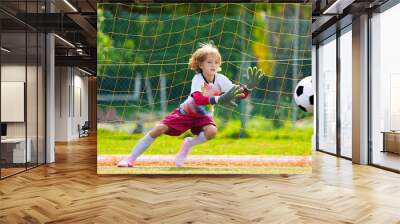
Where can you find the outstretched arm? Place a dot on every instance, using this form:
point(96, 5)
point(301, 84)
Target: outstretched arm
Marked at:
point(233, 93)
point(200, 99)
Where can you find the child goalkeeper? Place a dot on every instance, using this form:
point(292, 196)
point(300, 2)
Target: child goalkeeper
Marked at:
point(196, 113)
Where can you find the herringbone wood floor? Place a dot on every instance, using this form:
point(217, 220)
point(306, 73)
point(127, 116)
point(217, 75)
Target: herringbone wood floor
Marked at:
point(70, 191)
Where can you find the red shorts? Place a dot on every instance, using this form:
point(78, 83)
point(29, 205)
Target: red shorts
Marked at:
point(178, 123)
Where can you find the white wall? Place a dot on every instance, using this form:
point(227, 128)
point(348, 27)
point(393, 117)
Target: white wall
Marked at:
point(62, 81)
point(71, 94)
point(34, 124)
point(12, 73)
point(80, 101)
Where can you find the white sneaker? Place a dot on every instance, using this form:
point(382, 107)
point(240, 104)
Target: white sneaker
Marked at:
point(127, 162)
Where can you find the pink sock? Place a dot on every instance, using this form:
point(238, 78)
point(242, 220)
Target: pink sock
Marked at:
point(187, 144)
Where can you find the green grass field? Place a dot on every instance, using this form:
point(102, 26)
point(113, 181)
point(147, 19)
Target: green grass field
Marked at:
point(262, 140)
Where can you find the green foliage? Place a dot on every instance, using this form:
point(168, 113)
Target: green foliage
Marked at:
point(104, 42)
point(154, 39)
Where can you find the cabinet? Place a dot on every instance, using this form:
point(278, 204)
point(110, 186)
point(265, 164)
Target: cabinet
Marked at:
point(13, 150)
point(391, 141)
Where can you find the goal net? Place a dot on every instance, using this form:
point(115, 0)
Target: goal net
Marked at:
point(143, 74)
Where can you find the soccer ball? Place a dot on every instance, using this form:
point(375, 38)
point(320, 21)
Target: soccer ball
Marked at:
point(304, 94)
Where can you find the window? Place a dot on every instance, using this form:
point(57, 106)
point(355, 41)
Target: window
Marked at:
point(22, 76)
point(385, 88)
point(327, 95)
point(346, 92)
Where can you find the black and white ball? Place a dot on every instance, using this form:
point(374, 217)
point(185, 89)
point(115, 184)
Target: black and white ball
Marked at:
point(304, 95)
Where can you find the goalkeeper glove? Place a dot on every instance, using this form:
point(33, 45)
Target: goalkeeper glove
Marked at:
point(254, 77)
point(229, 97)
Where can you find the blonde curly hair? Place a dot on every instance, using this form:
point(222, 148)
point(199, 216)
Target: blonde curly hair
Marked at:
point(201, 54)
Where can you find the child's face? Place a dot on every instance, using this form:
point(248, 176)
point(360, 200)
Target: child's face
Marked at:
point(210, 66)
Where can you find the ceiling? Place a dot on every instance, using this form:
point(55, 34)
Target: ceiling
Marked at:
point(74, 22)
point(331, 15)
